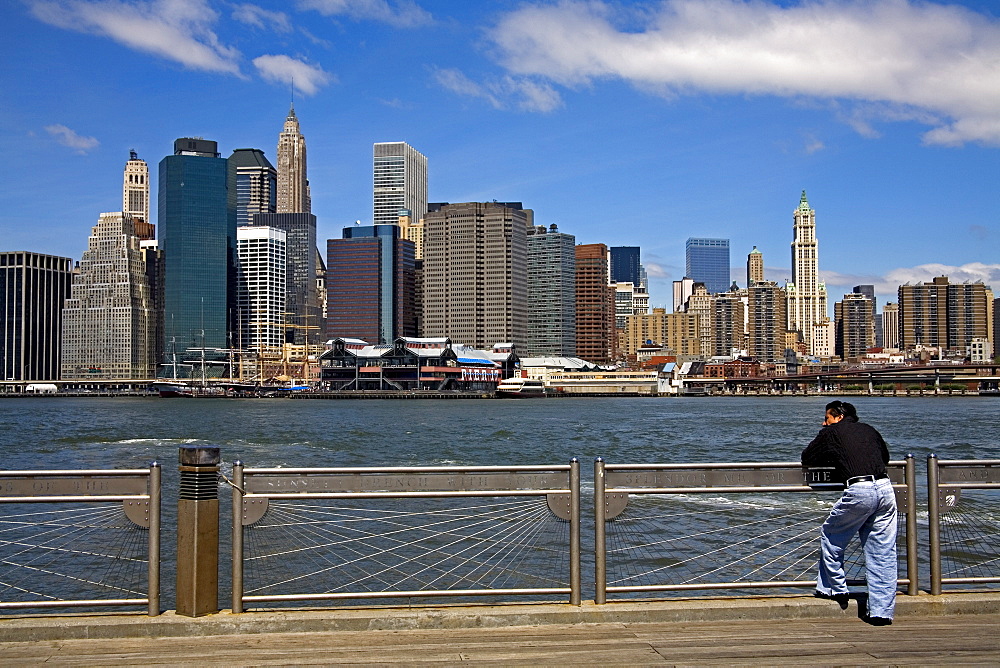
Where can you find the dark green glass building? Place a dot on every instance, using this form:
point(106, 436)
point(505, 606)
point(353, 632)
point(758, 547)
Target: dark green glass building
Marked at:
point(197, 234)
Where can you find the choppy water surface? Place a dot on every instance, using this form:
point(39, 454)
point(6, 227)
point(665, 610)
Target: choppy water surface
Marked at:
point(93, 433)
point(58, 433)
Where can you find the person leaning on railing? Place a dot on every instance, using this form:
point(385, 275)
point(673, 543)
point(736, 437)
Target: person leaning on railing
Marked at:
point(859, 456)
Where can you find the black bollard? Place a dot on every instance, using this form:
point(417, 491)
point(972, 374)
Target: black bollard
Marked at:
point(198, 532)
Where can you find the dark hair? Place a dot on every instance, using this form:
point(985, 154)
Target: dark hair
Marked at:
point(843, 409)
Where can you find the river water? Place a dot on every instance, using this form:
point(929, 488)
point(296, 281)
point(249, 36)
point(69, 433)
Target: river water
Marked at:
point(68, 433)
point(96, 433)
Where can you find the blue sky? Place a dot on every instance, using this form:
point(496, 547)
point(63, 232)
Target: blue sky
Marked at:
point(626, 123)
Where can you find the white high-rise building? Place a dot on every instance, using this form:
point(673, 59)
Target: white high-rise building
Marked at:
point(399, 182)
point(293, 184)
point(108, 322)
point(263, 271)
point(806, 294)
point(135, 195)
point(135, 190)
point(890, 326)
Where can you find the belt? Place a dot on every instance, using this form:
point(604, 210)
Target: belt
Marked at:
point(864, 478)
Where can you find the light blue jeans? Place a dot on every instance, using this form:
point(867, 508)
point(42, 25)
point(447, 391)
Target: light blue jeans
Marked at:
point(868, 510)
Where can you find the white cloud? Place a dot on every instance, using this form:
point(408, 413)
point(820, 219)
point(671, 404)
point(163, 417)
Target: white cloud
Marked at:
point(401, 13)
point(893, 59)
point(178, 30)
point(888, 284)
point(966, 273)
point(69, 138)
point(306, 78)
point(262, 18)
point(503, 92)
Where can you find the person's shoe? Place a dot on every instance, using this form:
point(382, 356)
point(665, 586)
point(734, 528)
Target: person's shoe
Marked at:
point(879, 621)
point(841, 599)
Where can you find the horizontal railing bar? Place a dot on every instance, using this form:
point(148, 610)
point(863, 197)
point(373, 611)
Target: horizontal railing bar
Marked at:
point(74, 604)
point(403, 594)
point(96, 498)
point(403, 495)
point(716, 465)
point(968, 580)
point(733, 490)
point(711, 585)
point(710, 490)
point(732, 585)
point(75, 473)
point(969, 485)
point(968, 462)
point(402, 469)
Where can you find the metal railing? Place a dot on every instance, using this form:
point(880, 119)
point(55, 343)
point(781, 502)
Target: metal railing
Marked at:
point(70, 557)
point(972, 543)
point(696, 513)
point(412, 537)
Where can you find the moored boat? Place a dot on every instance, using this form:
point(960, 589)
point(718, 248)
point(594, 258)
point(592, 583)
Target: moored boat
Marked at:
point(520, 388)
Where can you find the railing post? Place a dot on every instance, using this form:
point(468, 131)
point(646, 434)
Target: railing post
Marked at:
point(934, 523)
point(198, 532)
point(575, 595)
point(153, 567)
point(600, 547)
point(237, 603)
point(912, 563)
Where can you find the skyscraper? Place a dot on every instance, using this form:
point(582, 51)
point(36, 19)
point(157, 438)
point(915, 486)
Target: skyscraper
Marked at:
point(109, 321)
point(944, 315)
point(755, 266)
point(596, 339)
point(551, 293)
point(707, 261)
point(625, 266)
point(33, 287)
point(890, 326)
point(293, 184)
point(766, 321)
point(475, 273)
point(370, 285)
point(197, 228)
point(806, 294)
point(256, 184)
point(135, 196)
point(399, 182)
point(855, 325)
point(302, 302)
point(263, 269)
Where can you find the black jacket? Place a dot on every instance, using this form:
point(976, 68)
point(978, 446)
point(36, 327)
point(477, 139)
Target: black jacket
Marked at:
point(852, 448)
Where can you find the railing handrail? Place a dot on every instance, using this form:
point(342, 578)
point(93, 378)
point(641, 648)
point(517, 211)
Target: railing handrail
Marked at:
point(242, 494)
point(152, 496)
point(401, 469)
point(603, 490)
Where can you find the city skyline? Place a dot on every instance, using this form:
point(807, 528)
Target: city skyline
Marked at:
point(903, 185)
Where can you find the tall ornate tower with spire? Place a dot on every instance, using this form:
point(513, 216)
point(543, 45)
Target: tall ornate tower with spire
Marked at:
point(293, 186)
point(135, 196)
point(806, 295)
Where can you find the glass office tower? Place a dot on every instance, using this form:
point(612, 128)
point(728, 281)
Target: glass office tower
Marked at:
point(707, 261)
point(197, 230)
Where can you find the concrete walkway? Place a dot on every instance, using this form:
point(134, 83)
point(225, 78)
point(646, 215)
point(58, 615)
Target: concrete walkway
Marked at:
point(954, 628)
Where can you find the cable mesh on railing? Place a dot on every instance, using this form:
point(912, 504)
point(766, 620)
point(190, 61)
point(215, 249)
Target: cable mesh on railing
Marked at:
point(87, 552)
point(970, 538)
point(400, 545)
point(692, 541)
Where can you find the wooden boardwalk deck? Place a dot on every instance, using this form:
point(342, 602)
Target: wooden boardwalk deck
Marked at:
point(920, 640)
